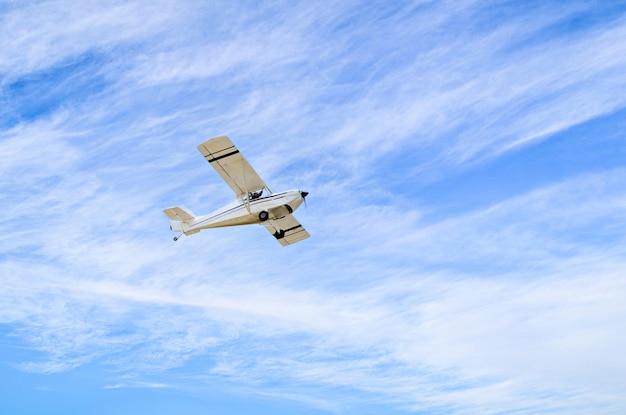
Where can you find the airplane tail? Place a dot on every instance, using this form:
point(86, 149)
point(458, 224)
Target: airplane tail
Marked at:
point(180, 218)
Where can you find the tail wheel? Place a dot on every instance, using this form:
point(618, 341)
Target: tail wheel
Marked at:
point(263, 216)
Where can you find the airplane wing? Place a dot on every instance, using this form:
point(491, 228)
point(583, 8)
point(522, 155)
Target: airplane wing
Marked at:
point(222, 154)
point(287, 230)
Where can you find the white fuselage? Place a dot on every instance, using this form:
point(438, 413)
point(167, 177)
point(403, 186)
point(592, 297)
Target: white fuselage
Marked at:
point(244, 212)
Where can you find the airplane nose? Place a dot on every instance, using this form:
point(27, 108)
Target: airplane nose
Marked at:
point(304, 194)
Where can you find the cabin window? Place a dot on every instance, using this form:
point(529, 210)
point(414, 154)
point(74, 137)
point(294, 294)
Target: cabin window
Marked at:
point(255, 194)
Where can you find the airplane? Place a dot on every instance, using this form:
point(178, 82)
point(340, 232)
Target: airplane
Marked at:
point(255, 202)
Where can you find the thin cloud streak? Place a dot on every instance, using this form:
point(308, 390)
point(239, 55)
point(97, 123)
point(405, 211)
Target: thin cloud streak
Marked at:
point(46, 33)
point(516, 305)
point(506, 337)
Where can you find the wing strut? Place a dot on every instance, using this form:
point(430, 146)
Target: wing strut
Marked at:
point(246, 199)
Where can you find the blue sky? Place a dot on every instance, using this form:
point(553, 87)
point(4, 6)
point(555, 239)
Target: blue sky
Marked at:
point(466, 168)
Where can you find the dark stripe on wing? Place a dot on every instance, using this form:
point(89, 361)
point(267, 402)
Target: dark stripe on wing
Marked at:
point(222, 156)
point(281, 234)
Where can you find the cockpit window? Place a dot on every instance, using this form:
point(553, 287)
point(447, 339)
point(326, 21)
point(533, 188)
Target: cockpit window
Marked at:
point(255, 194)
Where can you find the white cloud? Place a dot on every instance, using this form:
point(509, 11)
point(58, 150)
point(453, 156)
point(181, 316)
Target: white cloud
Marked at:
point(513, 306)
point(46, 33)
point(440, 339)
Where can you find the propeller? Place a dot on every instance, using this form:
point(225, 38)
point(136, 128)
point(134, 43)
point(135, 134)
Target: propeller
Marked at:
point(304, 195)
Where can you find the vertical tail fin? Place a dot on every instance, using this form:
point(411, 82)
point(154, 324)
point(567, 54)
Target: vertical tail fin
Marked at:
point(179, 216)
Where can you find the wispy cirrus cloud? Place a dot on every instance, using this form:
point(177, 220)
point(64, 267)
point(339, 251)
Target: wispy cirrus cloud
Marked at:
point(45, 33)
point(512, 305)
point(446, 340)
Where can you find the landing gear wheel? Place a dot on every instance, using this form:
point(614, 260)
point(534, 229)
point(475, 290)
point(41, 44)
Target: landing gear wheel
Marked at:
point(263, 216)
point(176, 238)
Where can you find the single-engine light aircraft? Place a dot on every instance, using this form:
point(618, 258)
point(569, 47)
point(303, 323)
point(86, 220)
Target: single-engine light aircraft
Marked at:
point(255, 202)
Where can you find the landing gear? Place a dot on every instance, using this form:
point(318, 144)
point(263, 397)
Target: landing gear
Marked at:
point(177, 237)
point(263, 216)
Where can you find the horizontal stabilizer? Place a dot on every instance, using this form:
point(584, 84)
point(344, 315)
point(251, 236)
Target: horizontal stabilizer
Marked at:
point(179, 214)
